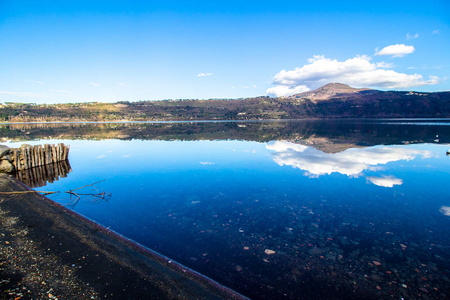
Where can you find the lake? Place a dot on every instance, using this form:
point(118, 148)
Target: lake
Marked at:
point(343, 209)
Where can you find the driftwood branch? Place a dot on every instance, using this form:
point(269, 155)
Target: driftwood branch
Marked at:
point(95, 196)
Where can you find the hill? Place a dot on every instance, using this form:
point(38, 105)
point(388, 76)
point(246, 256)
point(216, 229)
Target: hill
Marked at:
point(329, 91)
point(333, 100)
point(336, 100)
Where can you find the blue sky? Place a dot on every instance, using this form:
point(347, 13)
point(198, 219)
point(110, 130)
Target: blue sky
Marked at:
point(73, 51)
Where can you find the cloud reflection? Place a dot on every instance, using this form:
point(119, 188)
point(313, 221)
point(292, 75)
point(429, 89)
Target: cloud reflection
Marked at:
point(350, 162)
point(445, 210)
point(385, 181)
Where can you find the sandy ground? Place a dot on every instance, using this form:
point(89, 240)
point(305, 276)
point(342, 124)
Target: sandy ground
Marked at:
point(50, 252)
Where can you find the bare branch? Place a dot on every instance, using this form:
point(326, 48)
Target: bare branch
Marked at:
point(74, 198)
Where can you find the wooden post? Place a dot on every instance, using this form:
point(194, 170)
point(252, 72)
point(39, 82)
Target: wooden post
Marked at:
point(41, 154)
point(23, 158)
point(15, 159)
point(53, 153)
point(38, 155)
point(31, 156)
point(47, 154)
point(33, 150)
point(58, 152)
point(18, 157)
point(27, 157)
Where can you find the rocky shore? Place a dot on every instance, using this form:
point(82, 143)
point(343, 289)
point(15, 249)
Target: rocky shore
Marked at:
point(6, 165)
point(50, 252)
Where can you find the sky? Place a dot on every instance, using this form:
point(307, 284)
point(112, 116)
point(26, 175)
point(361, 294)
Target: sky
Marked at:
point(108, 51)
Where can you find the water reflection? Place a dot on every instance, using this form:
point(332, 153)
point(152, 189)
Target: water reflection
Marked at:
point(329, 136)
point(385, 181)
point(445, 210)
point(242, 212)
point(351, 162)
point(41, 175)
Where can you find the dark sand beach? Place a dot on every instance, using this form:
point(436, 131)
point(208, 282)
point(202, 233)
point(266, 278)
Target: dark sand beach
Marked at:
point(50, 252)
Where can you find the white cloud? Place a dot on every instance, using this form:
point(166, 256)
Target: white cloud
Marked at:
point(205, 74)
point(94, 84)
point(397, 50)
point(412, 36)
point(122, 84)
point(351, 162)
point(357, 72)
point(385, 181)
point(384, 65)
point(445, 210)
point(436, 31)
point(285, 90)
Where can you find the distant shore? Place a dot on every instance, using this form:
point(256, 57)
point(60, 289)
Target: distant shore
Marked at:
point(328, 102)
point(49, 252)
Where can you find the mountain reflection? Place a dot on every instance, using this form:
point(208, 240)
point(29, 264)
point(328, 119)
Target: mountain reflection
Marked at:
point(351, 162)
point(330, 136)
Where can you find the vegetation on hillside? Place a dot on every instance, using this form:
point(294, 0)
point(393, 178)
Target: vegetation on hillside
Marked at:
point(322, 103)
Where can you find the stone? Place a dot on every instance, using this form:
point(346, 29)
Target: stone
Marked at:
point(4, 150)
point(6, 167)
point(7, 157)
point(375, 277)
point(269, 252)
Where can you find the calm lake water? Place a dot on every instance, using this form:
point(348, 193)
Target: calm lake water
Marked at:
point(275, 210)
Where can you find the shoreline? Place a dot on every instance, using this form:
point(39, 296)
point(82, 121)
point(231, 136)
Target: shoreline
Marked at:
point(230, 120)
point(49, 251)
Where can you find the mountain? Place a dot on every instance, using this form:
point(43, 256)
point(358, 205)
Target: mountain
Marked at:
point(337, 100)
point(329, 91)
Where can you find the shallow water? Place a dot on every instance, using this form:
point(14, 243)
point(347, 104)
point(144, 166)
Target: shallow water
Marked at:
point(332, 209)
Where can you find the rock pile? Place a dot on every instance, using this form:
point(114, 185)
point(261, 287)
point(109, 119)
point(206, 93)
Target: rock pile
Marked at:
point(6, 159)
